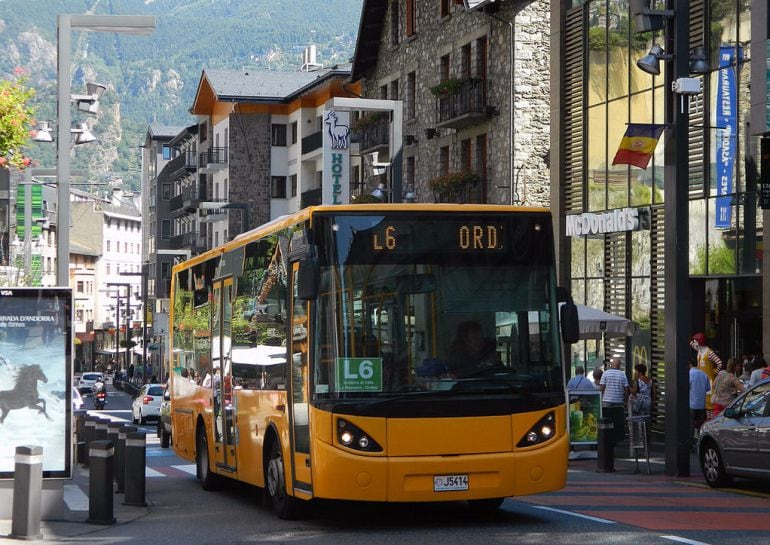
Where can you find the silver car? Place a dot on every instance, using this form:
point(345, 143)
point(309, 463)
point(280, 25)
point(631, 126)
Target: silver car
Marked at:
point(736, 443)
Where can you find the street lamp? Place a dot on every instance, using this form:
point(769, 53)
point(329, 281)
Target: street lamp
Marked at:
point(127, 297)
point(123, 24)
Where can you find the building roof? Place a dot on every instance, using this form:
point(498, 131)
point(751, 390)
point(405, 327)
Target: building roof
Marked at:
point(157, 131)
point(369, 33)
point(263, 86)
point(81, 249)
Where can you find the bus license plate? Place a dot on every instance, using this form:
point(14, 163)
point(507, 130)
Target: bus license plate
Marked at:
point(444, 483)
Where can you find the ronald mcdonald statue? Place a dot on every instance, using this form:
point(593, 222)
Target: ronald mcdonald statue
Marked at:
point(708, 361)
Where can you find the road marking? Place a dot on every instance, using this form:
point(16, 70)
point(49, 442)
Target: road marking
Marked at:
point(75, 498)
point(151, 473)
point(187, 468)
point(578, 515)
point(684, 540)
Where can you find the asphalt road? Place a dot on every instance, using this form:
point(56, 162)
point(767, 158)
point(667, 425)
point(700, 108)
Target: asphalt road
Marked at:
point(595, 508)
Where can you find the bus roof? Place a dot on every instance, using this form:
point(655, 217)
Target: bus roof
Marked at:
point(285, 221)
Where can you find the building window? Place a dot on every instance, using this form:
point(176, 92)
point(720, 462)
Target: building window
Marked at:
point(443, 160)
point(278, 187)
point(109, 242)
point(410, 175)
point(481, 156)
point(293, 179)
point(80, 286)
point(279, 135)
point(465, 61)
point(395, 15)
point(465, 154)
point(203, 132)
point(166, 152)
point(445, 5)
point(294, 133)
point(411, 95)
point(444, 64)
point(165, 192)
point(394, 90)
point(165, 229)
point(410, 17)
point(384, 92)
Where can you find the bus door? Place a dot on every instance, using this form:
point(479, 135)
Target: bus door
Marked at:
point(224, 411)
point(299, 410)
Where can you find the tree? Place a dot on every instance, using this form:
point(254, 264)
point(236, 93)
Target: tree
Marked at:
point(15, 120)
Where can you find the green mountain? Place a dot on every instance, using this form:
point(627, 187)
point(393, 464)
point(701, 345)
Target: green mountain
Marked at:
point(154, 78)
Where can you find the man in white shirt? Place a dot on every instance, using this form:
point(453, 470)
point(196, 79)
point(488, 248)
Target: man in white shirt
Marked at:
point(614, 385)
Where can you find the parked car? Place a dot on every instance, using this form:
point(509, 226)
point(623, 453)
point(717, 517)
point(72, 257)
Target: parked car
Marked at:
point(77, 400)
point(736, 442)
point(164, 420)
point(147, 403)
point(87, 381)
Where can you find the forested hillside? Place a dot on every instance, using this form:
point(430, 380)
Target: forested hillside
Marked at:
point(153, 78)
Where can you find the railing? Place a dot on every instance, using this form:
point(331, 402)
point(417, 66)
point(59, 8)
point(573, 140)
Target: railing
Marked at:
point(213, 158)
point(468, 101)
point(193, 241)
point(310, 198)
point(176, 203)
point(181, 165)
point(470, 194)
point(312, 142)
point(373, 134)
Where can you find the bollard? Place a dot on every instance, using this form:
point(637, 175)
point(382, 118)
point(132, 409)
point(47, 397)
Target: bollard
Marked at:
point(606, 448)
point(27, 492)
point(89, 435)
point(101, 428)
point(80, 424)
point(100, 497)
point(113, 436)
point(120, 457)
point(135, 459)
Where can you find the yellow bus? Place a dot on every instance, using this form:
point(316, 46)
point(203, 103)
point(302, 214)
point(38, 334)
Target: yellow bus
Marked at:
point(383, 353)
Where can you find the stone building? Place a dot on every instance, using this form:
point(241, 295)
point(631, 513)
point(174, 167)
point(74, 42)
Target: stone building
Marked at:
point(476, 93)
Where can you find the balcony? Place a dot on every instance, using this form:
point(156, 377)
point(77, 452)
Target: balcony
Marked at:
point(463, 105)
point(372, 132)
point(310, 198)
point(213, 160)
point(193, 241)
point(212, 215)
point(472, 193)
point(181, 165)
point(312, 142)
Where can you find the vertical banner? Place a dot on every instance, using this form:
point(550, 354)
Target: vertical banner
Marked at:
point(726, 120)
point(35, 377)
point(336, 158)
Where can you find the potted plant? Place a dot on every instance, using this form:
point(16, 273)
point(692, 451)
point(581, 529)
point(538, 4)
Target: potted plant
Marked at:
point(447, 86)
point(453, 182)
point(369, 120)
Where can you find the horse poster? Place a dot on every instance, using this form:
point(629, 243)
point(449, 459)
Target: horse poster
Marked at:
point(35, 377)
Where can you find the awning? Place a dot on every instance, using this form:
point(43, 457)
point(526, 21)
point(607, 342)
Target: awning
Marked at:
point(597, 324)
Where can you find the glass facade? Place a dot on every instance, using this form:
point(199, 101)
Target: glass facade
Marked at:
point(620, 272)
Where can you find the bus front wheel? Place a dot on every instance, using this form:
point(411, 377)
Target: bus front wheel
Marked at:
point(285, 506)
point(208, 479)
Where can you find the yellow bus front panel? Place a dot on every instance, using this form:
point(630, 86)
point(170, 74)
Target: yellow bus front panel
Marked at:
point(405, 476)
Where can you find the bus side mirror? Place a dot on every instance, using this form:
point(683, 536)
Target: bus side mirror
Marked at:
point(308, 279)
point(570, 323)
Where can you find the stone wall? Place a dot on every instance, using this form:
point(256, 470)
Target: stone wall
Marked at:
point(249, 168)
point(518, 136)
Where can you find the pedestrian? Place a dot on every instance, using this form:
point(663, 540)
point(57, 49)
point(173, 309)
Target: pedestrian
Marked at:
point(597, 376)
point(758, 367)
point(642, 391)
point(726, 387)
point(746, 369)
point(614, 385)
point(699, 387)
point(579, 381)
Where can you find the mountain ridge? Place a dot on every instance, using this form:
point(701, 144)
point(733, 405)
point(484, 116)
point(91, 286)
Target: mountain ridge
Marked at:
point(153, 78)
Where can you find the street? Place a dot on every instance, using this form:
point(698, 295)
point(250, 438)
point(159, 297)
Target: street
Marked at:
point(594, 508)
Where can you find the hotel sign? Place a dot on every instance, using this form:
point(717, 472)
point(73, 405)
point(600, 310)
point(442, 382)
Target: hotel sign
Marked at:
point(336, 157)
point(613, 221)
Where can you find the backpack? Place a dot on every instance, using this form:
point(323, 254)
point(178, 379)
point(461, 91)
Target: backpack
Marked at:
point(765, 373)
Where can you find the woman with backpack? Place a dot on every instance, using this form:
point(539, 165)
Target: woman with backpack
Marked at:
point(726, 387)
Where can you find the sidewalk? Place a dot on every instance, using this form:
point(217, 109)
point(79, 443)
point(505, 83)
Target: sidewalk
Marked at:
point(72, 522)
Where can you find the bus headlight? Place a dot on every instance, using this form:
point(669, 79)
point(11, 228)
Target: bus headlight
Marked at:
point(351, 436)
point(544, 430)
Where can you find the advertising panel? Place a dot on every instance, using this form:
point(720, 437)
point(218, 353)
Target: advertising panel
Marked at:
point(584, 413)
point(35, 376)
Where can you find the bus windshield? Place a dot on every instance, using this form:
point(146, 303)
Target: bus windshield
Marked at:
point(436, 306)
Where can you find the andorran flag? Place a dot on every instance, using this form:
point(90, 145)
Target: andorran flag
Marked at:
point(638, 144)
